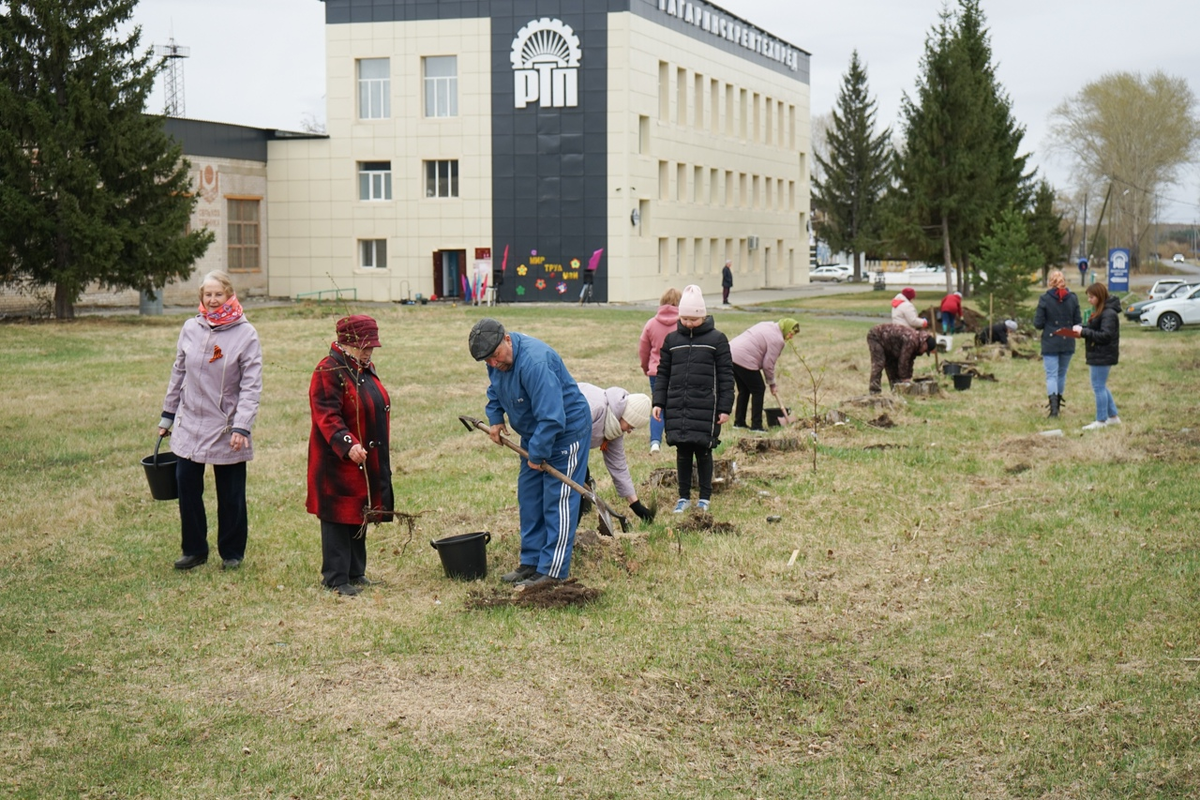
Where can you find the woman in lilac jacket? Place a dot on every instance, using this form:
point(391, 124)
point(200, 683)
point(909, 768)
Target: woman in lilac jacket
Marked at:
point(616, 412)
point(649, 347)
point(755, 352)
point(211, 404)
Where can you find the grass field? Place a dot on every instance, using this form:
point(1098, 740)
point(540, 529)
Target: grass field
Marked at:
point(974, 610)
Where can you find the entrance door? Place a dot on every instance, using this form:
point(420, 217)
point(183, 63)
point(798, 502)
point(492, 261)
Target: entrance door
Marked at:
point(448, 270)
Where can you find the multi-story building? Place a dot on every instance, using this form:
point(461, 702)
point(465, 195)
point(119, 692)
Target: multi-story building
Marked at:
point(526, 140)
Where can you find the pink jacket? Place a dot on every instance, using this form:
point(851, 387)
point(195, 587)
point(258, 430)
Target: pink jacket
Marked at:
point(758, 347)
point(653, 334)
point(214, 389)
point(600, 401)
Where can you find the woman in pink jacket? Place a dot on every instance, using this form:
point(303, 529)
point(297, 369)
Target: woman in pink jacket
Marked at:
point(211, 404)
point(653, 334)
point(755, 352)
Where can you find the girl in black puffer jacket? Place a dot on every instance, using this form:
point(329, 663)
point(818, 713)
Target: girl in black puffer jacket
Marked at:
point(694, 394)
point(1102, 343)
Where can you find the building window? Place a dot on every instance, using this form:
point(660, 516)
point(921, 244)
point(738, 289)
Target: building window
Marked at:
point(374, 89)
point(372, 253)
point(664, 91)
point(680, 182)
point(441, 178)
point(643, 135)
point(374, 180)
point(664, 180)
point(244, 236)
point(441, 86)
point(681, 90)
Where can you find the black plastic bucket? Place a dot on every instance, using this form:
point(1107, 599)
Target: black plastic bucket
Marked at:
point(464, 557)
point(951, 368)
point(160, 474)
point(775, 416)
point(962, 382)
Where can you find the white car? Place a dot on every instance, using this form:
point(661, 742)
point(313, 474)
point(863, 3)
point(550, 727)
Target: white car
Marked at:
point(1177, 258)
point(1164, 287)
point(832, 272)
point(925, 269)
point(1173, 313)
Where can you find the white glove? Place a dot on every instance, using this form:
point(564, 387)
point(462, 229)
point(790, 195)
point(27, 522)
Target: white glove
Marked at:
point(1077, 328)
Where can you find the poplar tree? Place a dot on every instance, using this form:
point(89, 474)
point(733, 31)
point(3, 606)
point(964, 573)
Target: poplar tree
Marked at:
point(91, 188)
point(960, 167)
point(849, 186)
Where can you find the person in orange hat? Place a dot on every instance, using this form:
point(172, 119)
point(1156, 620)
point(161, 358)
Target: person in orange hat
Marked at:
point(349, 457)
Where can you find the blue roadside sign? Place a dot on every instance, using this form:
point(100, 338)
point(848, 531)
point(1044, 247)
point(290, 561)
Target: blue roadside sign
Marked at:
point(1118, 270)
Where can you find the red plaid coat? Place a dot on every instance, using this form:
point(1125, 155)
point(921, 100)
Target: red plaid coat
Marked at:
point(349, 407)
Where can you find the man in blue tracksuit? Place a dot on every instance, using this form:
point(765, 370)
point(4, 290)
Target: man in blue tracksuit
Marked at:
point(530, 383)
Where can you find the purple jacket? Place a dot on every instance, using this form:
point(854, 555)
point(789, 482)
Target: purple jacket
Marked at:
point(600, 401)
point(213, 392)
point(758, 347)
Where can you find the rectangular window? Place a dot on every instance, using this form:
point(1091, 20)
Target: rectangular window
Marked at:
point(729, 109)
point(643, 217)
point(714, 103)
point(441, 86)
point(755, 197)
point(712, 187)
point(243, 234)
point(681, 182)
point(664, 91)
point(742, 113)
point(728, 188)
point(698, 184)
point(662, 255)
point(770, 194)
point(743, 199)
point(699, 92)
point(681, 89)
point(791, 195)
point(770, 128)
point(441, 178)
point(782, 124)
point(374, 180)
point(372, 253)
point(757, 130)
point(644, 135)
point(664, 180)
point(713, 268)
point(680, 246)
point(697, 248)
point(374, 89)
point(792, 127)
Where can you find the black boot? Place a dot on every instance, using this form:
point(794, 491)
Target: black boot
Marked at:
point(1055, 399)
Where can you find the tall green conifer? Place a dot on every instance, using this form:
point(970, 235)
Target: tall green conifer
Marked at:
point(91, 188)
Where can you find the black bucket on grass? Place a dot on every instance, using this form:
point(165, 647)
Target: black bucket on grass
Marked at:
point(950, 368)
point(160, 474)
point(775, 416)
point(962, 382)
point(464, 557)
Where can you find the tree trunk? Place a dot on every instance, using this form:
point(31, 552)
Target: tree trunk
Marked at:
point(63, 307)
point(946, 252)
point(857, 266)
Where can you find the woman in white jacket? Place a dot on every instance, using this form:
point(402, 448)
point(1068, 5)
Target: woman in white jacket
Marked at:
point(904, 312)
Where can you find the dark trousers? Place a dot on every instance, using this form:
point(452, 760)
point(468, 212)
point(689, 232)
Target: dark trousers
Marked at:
point(231, 508)
point(343, 557)
point(750, 390)
point(881, 361)
point(684, 453)
point(725, 295)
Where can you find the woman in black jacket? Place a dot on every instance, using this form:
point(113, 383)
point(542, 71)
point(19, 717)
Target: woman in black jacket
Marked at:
point(1102, 341)
point(1058, 308)
point(694, 394)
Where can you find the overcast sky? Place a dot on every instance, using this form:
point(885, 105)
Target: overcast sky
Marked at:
point(262, 62)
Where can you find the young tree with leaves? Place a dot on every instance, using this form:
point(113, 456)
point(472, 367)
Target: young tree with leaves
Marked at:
point(849, 185)
point(1009, 261)
point(91, 188)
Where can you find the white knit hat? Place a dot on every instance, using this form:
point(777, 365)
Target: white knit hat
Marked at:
point(637, 410)
point(691, 304)
point(1011, 324)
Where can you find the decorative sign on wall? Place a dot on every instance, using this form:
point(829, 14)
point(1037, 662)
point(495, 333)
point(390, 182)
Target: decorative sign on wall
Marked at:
point(545, 61)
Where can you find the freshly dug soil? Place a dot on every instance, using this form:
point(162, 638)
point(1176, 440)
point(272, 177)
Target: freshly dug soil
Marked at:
point(703, 522)
point(724, 476)
point(780, 445)
point(545, 595)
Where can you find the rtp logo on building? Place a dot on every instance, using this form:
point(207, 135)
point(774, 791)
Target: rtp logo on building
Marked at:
point(545, 60)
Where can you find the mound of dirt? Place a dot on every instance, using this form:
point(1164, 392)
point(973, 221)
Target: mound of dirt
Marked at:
point(780, 445)
point(703, 522)
point(551, 594)
point(724, 476)
point(882, 421)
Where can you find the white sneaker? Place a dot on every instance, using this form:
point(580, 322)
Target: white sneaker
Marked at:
point(1113, 421)
point(653, 447)
point(702, 505)
point(1094, 426)
point(682, 505)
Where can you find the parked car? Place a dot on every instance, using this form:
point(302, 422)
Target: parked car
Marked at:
point(1134, 311)
point(1177, 258)
point(1164, 287)
point(1171, 315)
point(925, 269)
point(832, 272)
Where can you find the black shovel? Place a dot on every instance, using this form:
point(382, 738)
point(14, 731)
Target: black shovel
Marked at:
point(605, 513)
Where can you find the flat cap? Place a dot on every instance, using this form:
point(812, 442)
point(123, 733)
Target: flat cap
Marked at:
point(486, 336)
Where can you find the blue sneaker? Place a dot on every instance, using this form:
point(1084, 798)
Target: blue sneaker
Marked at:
point(682, 505)
point(702, 505)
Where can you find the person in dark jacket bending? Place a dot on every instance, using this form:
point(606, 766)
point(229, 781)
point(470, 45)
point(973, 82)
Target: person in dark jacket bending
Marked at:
point(996, 334)
point(1058, 308)
point(1102, 343)
point(694, 394)
point(349, 460)
point(894, 348)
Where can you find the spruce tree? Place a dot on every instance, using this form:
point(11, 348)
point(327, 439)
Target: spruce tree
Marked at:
point(853, 180)
point(1045, 229)
point(1007, 260)
point(91, 188)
